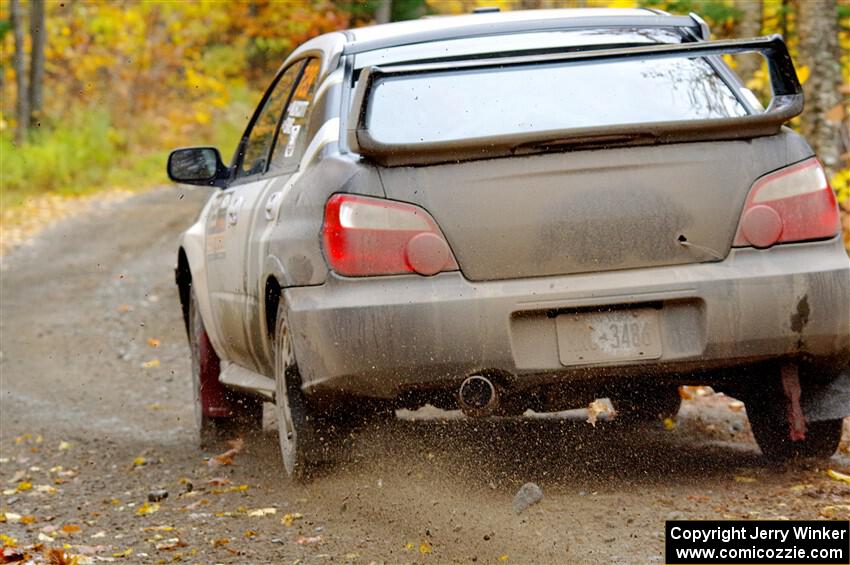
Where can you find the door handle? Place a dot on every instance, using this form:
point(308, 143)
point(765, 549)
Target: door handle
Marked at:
point(272, 205)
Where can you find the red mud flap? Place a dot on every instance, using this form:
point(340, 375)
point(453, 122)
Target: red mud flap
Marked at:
point(214, 402)
point(794, 411)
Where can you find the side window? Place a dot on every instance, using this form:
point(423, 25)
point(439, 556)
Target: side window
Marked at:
point(292, 139)
point(256, 150)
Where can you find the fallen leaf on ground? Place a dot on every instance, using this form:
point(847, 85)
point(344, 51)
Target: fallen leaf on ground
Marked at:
point(170, 544)
point(147, 508)
point(150, 364)
point(139, 461)
point(669, 423)
point(13, 555)
point(11, 517)
point(59, 557)
point(743, 479)
point(838, 476)
point(260, 512)
point(425, 548)
point(153, 342)
point(220, 541)
point(90, 549)
point(63, 445)
point(125, 308)
point(23, 486)
point(28, 519)
point(310, 540)
point(121, 554)
point(409, 546)
point(70, 529)
point(218, 482)
point(159, 529)
point(226, 458)
point(690, 392)
point(800, 487)
point(234, 488)
point(197, 503)
point(736, 406)
point(7, 541)
point(503, 557)
point(836, 510)
point(289, 519)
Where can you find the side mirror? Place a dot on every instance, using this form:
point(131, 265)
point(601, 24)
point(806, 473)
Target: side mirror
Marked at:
point(197, 165)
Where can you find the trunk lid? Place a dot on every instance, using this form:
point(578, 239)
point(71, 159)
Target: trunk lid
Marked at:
point(593, 210)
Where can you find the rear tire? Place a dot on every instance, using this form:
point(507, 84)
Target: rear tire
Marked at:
point(307, 438)
point(770, 428)
point(220, 413)
point(644, 405)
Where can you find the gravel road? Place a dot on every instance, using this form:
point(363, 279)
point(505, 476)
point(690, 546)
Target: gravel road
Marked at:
point(96, 415)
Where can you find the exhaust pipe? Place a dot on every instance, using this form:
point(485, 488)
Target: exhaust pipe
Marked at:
point(478, 396)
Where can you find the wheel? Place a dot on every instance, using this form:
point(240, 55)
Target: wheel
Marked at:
point(770, 427)
point(643, 405)
point(220, 413)
point(307, 438)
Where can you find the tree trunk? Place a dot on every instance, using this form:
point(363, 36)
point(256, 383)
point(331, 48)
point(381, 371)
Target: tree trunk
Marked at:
point(21, 107)
point(37, 34)
point(749, 26)
point(384, 11)
point(817, 26)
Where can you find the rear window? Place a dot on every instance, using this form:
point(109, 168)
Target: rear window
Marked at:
point(454, 105)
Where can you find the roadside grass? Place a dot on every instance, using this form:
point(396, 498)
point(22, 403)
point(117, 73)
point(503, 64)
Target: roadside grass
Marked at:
point(86, 153)
point(67, 166)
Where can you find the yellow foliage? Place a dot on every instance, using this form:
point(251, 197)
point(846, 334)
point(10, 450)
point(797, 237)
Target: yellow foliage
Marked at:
point(841, 184)
point(802, 73)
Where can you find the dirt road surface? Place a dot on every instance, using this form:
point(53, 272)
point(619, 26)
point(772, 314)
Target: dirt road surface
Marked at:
point(96, 416)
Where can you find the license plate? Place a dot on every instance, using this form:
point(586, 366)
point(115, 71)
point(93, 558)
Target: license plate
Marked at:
point(602, 337)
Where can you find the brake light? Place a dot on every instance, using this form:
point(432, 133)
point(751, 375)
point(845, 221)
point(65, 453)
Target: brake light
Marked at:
point(369, 236)
point(793, 204)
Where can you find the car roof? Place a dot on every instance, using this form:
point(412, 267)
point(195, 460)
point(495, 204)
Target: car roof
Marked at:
point(443, 28)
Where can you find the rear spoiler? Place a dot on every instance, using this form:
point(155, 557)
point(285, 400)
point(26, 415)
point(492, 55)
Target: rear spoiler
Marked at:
point(787, 102)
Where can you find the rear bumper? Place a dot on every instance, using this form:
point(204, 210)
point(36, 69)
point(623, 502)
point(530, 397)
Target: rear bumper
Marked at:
point(380, 336)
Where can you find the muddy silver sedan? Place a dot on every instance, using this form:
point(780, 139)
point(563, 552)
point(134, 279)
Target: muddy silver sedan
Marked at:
point(504, 212)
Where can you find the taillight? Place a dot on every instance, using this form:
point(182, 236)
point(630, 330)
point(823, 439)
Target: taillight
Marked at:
point(793, 204)
point(369, 236)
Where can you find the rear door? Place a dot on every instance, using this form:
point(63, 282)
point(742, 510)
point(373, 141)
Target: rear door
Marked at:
point(283, 169)
point(228, 225)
